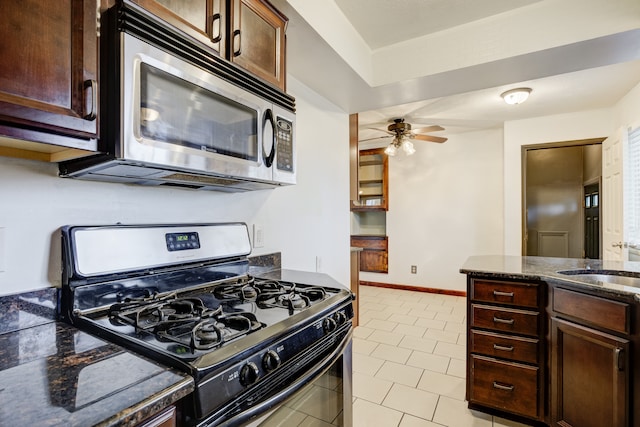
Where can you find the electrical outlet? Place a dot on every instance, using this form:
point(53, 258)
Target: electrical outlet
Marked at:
point(318, 264)
point(414, 269)
point(258, 236)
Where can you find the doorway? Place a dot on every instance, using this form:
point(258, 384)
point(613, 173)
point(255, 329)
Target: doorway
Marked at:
point(556, 180)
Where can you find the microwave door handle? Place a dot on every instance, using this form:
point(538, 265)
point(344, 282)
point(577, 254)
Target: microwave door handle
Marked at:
point(268, 157)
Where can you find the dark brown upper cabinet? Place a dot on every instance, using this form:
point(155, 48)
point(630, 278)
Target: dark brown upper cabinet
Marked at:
point(249, 33)
point(204, 20)
point(258, 40)
point(48, 79)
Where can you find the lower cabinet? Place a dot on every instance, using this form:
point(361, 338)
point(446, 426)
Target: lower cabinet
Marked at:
point(590, 367)
point(590, 385)
point(374, 256)
point(505, 369)
point(547, 353)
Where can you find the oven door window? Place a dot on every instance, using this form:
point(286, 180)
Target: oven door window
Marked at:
point(320, 403)
point(177, 111)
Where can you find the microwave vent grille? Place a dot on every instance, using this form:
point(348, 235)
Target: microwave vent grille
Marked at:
point(209, 180)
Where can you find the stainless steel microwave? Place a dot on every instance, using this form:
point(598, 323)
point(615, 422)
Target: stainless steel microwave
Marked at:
point(167, 121)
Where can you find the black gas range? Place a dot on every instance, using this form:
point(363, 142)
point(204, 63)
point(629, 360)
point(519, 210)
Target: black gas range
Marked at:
point(181, 294)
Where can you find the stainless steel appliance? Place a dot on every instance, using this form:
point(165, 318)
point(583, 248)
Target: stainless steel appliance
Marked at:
point(173, 113)
point(259, 350)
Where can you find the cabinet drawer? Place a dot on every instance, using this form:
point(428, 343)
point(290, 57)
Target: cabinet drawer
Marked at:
point(370, 242)
point(505, 319)
point(505, 346)
point(511, 293)
point(506, 386)
point(596, 311)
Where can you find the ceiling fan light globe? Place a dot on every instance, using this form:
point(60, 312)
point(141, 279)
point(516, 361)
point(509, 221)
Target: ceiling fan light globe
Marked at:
point(408, 148)
point(391, 150)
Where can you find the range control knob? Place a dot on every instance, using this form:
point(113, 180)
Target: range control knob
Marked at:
point(329, 325)
point(340, 318)
point(249, 374)
point(271, 360)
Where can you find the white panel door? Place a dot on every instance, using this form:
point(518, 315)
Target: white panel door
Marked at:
point(612, 198)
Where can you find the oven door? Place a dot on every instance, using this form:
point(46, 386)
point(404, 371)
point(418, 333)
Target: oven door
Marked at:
point(323, 393)
point(178, 115)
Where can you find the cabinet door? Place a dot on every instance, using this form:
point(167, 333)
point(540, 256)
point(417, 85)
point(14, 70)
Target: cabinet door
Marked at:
point(590, 378)
point(374, 254)
point(48, 70)
point(258, 40)
point(204, 20)
point(374, 261)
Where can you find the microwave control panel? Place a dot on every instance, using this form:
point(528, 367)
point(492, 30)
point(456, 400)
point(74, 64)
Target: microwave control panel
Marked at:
point(284, 135)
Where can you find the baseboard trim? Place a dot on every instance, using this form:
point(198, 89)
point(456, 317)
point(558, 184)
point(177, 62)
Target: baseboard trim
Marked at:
point(415, 288)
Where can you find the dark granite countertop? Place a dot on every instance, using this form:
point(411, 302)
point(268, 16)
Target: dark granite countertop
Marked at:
point(52, 374)
point(299, 276)
point(547, 269)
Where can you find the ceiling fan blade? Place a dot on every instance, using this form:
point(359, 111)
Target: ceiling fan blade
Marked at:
point(382, 130)
point(434, 128)
point(377, 137)
point(430, 138)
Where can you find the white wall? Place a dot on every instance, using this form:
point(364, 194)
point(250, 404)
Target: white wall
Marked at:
point(627, 111)
point(446, 204)
point(303, 221)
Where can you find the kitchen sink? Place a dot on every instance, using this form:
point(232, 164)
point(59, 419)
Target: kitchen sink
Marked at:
point(625, 278)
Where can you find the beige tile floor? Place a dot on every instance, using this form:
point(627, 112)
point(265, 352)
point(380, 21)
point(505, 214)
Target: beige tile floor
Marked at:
point(409, 362)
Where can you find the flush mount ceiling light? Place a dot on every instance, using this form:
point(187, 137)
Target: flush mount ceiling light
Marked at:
point(516, 96)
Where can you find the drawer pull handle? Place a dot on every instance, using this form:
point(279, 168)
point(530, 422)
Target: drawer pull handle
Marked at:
point(502, 386)
point(505, 321)
point(502, 347)
point(502, 294)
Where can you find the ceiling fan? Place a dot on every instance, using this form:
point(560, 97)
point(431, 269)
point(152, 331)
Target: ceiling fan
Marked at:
point(402, 134)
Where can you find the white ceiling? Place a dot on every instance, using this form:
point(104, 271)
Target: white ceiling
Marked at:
point(387, 22)
point(575, 55)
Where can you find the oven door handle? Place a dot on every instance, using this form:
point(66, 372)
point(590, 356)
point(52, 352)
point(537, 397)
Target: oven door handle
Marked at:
point(312, 374)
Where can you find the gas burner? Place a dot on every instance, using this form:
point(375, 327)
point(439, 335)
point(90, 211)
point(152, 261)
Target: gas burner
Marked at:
point(208, 333)
point(287, 295)
point(293, 301)
point(149, 313)
point(186, 321)
point(242, 291)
